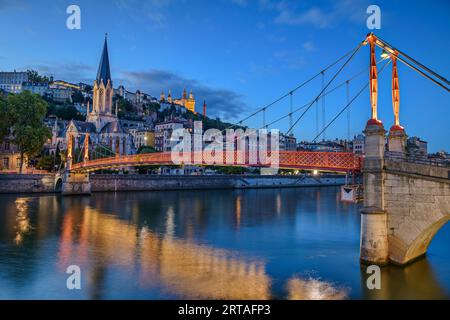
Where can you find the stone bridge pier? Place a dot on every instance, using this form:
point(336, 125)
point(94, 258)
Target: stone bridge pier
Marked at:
point(75, 184)
point(72, 183)
point(405, 202)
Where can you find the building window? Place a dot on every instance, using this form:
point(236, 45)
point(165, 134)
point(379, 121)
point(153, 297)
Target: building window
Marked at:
point(5, 163)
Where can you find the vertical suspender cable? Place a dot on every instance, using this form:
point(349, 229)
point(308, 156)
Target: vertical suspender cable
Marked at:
point(324, 120)
point(317, 117)
point(326, 86)
point(348, 112)
point(264, 118)
point(291, 109)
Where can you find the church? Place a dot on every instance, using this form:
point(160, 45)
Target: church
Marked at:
point(185, 101)
point(102, 125)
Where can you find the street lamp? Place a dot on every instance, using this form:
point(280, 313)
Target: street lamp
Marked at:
point(385, 55)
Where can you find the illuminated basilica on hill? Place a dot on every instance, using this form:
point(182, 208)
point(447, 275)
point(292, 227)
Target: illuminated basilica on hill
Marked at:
point(186, 101)
point(102, 125)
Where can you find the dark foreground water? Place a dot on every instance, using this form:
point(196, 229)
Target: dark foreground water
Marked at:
point(218, 244)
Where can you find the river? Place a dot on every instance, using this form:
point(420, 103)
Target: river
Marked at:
point(299, 243)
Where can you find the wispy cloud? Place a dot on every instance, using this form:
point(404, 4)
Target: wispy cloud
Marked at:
point(12, 4)
point(222, 103)
point(309, 46)
point(153, 13)
point(290, 59)
point(72, 72)
point(241, 3)
point(327, 16)
point(314, 16)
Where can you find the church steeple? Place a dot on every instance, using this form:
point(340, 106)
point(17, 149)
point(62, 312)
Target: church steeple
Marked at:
point(102, 100)
point(104, 72)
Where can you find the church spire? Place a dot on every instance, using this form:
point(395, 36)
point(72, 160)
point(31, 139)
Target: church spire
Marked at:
point(104, 72)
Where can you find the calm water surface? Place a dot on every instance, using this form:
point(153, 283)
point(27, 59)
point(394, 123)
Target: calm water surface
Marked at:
point(217, 244)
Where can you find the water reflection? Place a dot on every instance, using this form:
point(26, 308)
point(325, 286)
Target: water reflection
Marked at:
point(184, 268)
point(244, 244)
point(314, 289)
point(416, 281)
point(23, 225)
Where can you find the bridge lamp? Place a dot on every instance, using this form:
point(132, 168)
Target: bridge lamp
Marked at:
point(315, 172)
point(385, 55)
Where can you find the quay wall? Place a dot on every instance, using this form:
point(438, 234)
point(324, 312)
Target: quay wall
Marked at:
point(27, 183)
point(46, 183)
point(104, 183)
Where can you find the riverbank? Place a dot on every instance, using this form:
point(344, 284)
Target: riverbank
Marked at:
point(46, 183)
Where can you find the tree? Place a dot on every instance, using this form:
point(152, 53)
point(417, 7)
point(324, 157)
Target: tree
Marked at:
point(27, 112)
point(46, 163)
point(64, 112)
point(152, 106)
point(33, 76)
point(5, 120)
point(146, 149)
point(77, 96)
point(125, 107)
point(68, 112)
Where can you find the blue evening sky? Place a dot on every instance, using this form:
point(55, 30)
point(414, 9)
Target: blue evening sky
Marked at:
point(241, 54)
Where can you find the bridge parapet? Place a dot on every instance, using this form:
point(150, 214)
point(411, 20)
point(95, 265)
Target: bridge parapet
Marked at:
point(326, 161)
point(423, 169)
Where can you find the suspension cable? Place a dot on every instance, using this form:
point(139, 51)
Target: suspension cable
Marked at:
point(414, 61)
point(422, 73)
point(239, 123)
point(313, 101)
point(349, 103)
point(316, 100)
point(328, 84)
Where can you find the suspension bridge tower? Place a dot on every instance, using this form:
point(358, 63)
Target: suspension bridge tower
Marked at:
point(406, 200)
point(75, 183)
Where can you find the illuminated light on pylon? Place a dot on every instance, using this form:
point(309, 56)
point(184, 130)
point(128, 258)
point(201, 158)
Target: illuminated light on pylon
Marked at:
point(395, 94)
point(70, 147)
point(86, 147)
point(69, 151)
point(373, 81)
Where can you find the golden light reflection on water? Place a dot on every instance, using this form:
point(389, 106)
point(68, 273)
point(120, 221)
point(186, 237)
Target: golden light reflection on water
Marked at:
point(149, 248)
point(314, 289)
point(278, 202)
point(22, 225)
point(184, 268)
point(238, 210)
